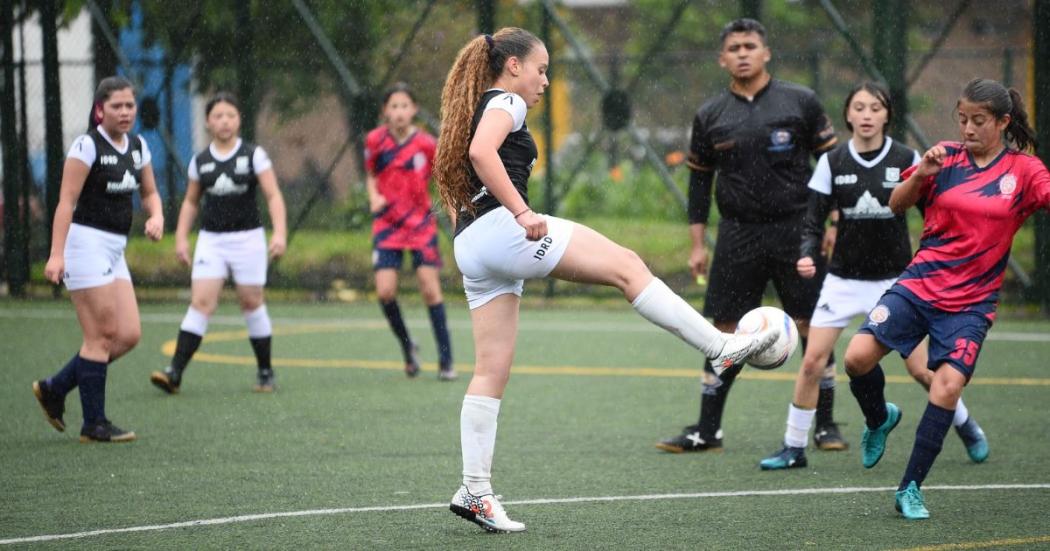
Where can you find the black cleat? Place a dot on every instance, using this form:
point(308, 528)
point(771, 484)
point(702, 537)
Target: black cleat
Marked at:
point(827, 437)
point(54, 406)
point(692, 441)
point(105, 431)
point(412, 365)
point(265, 381)
point(168, 380)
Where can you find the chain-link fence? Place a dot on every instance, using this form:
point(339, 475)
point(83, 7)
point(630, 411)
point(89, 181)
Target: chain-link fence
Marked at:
point(598, 172)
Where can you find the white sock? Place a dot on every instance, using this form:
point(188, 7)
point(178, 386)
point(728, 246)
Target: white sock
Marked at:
point(961, 414)
point(799, 422)
point(660, 305)
point(258, 321)
point(195, 322)
point(477, 435)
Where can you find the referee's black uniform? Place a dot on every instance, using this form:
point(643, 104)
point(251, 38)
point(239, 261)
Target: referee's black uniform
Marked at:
point(760, 150)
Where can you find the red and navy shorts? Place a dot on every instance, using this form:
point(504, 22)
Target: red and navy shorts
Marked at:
point(429, 255)
point(901, 320)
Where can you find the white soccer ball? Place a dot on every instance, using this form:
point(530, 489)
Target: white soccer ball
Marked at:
point(787, 335)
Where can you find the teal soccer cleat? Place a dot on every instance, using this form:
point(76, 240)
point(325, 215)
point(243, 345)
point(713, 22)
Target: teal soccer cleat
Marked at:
point(787, 458)
point(911, 504)
point(873, 441)
point(974, 440)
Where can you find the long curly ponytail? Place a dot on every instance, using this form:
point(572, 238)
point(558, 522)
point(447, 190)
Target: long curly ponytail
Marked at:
point(477, 66)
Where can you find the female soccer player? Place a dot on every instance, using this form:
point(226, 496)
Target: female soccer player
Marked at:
point(231, 239)
point(485, 155)
point(976, 193)
point(102, 170)
point(399, 158)
point(872, 248)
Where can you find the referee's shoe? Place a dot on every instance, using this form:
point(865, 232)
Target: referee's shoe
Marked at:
point(691, 440)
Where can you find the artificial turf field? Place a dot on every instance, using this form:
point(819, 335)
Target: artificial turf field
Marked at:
point(350, 454)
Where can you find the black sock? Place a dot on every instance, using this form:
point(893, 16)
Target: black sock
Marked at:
point(825, 406)
point(91, 378)
point(868, 389)
point(440, 324)
point(66, 379)
point(713, 400)
point(929, 438)
point(261, 346)
point(185, 347)
point(393, 315)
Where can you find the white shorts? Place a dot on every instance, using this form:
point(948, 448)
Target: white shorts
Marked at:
point(841, 299)
point(93, 258)
point(243, 253)
point(495, 258)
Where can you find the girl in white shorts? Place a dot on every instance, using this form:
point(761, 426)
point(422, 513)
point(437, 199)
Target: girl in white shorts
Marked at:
point(871, 248)
point(227, 174)
point(485, 155)
point(103, 169)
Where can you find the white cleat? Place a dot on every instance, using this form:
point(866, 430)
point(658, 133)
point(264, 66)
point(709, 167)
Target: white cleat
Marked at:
point(485, 511)
point(739, 348)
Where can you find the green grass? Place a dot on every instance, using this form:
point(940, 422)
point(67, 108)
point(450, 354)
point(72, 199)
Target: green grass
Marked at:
point(579, 420)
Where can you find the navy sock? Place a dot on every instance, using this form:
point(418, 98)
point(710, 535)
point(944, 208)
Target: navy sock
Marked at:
point(66, 379)
point(91, 378)
point(929, 438)
point(826, 398)
point(440, 324)
point(393, 315)
point(868, 389)
point(713, 400)
point(261, 346)
point(185, 347)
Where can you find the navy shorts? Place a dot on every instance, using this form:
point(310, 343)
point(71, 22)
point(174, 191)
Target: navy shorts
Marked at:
point(394, 258)
point(901, 320)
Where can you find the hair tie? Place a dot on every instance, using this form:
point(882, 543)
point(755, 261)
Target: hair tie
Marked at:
point(490, 42)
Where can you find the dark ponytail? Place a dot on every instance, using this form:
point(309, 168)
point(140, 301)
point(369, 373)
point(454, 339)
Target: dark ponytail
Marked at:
point(1002, 102)
point(1020, 131)
point(105, 89)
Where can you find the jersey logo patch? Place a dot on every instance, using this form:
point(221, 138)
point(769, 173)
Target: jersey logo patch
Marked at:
point(893, 174)
point(845, 179)
point(781, 140)
point(207, 167)
point(880, 314)
point(107, 159)
point(242, 166)
point(127, 184)
point(1007, 185)
point(224, 185)
point(867, 208)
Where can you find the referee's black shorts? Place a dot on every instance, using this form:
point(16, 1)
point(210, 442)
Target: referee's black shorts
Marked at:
point(749, 255)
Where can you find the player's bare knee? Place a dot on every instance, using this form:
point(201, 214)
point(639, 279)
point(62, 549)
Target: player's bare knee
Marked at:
point(632, 270)
point(250, 303)
point(813, 368)
point(858, 363)
point(204, 305)
point(386, 295)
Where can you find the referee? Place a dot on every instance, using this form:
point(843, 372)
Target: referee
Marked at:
point(758, 136)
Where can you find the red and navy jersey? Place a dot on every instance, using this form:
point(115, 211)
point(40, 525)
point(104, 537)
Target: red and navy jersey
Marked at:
point(402, 173)
point(971, 217)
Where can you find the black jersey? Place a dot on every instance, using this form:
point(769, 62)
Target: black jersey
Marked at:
point(872, 241)
point(105, 200)
point(760, 149)
point(518, 153)
point(228, 187)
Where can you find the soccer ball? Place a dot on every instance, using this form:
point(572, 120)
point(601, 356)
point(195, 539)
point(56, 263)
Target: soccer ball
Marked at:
point(787, 337)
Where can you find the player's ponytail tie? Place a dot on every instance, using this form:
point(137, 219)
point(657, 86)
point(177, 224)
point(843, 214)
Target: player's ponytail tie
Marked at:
point(490, 42)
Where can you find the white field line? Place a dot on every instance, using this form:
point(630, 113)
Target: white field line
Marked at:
point(525, 324)
point(548, 501)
